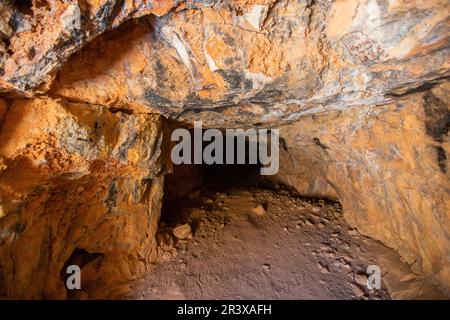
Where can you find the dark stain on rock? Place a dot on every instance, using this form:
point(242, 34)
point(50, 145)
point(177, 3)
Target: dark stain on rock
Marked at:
point(442, 158)
point(107, 13)
point(235, 79)
point(123, 149)
point(317, 142)
point(437, 116)
point(265, 96)
point(111, 198)
point(405, 91)
point(155, 99)
point(283, 144)
point(229, 40)
point(121, 110)
point(18, 228)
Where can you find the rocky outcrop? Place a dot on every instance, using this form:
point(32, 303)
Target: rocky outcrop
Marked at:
point(388, 167)
point(78, 185)
point(264, 62)
point(41, 35)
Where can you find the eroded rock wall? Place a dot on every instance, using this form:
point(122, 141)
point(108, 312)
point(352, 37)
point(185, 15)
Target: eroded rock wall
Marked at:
point(38, 36)
point(241, 63)
point(78, 185)
point(355, 81)
point(388, 167)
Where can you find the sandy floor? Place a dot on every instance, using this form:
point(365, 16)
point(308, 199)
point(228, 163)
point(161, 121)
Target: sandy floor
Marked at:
point(287, 248)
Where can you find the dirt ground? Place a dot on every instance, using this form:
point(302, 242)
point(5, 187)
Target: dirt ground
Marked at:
point(262, 243)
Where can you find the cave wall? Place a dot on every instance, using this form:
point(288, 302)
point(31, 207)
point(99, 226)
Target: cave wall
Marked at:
point(388, 167)
point(242, 63)
point(357, 87)
point(77, 178)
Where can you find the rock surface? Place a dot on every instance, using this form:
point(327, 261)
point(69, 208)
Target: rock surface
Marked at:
point(358, 88)
point(79, 186)
point(386, 167)
point(182, 232)
point(235, 254)
point(41, 35)
point(264, 62)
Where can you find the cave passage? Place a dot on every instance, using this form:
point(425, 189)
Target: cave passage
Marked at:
point(227, 232)
point(223, 176)
point(187, 180)
point(224, 149)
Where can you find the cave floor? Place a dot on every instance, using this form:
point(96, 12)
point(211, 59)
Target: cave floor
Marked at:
point(287, 248)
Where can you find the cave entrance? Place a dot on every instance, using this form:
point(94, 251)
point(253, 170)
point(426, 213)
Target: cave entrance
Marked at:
point(237, 174)
point(228, 232)
point(188, 182)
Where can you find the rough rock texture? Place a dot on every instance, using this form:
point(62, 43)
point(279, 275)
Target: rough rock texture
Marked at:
point(357, 86)
point(42, 34)
point(387, 165)
point(298, 249)
point(77, 184)
point(259, 62)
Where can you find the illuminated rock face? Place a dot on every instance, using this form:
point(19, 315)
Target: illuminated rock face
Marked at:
point(388, 167)
point(357, 88)
point(237, 62)
point(77, 178)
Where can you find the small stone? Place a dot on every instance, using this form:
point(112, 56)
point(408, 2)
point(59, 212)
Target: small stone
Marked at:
point(347, 259)
point(357, 291)
point(196, 213)
point(323, 268)
point(335, 234)
point(316, 209)
point(166, 256)
point(361, 279)
point(222, 195)
point(182, 232)
point(353, 232)
point(266, 267)
point(259, 210)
